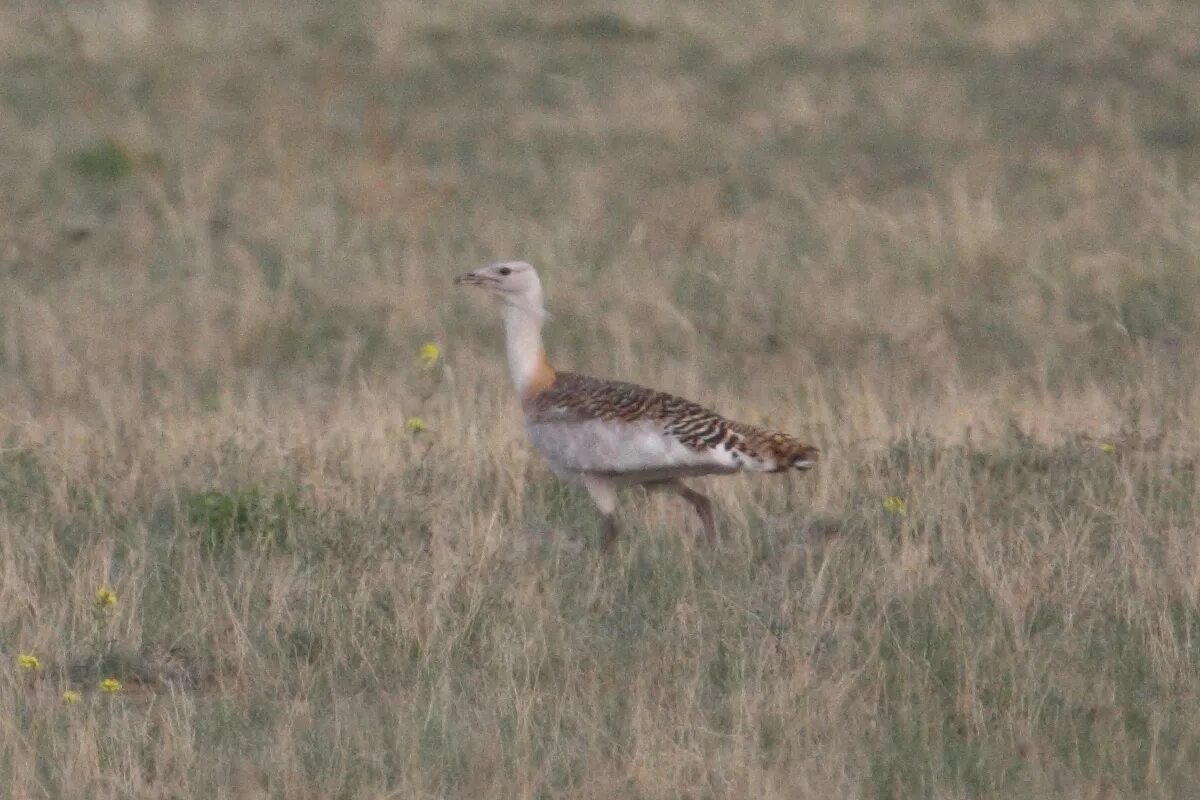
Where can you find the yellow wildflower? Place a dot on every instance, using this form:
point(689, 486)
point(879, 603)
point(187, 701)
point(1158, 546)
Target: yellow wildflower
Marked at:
point(1108, 448)
point(105, 597)
point(29, 661)
point(430, 353)
point(71, 697)
point(896, 505)
point(110, 686)
point(414, 424)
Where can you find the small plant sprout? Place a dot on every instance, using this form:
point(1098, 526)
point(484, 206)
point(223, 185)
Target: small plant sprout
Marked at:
point(896, 505)
point(110, 686)
point(1108, 448)
point(71, 697)
point(414, 425)
point(430, 354)
point(106, 598)
point(29, 662)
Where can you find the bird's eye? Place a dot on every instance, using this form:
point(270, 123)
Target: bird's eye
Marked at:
point(505, 270)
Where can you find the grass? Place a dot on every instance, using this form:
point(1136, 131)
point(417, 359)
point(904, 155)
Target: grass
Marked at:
point(953, 244)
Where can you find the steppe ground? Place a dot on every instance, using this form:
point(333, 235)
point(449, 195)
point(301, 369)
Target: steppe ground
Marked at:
point(955, 243)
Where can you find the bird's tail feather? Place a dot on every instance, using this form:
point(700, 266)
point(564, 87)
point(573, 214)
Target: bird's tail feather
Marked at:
point(773, 451)
point(791, 453)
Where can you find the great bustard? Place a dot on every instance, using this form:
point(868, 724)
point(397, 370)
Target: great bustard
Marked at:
point(610, 434)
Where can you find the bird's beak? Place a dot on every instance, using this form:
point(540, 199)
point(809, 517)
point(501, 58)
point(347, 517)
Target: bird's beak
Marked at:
point(469, 279)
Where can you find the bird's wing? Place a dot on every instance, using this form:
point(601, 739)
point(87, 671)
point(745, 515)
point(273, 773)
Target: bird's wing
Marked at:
point(584, 424)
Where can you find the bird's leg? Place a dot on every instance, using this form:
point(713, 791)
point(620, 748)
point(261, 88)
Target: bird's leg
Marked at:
point(604, 494)
point(704, 508)
point(698, 501)
point(608, 532)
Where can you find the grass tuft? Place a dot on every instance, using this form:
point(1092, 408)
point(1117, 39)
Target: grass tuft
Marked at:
point(103, 162)
point(244, 518)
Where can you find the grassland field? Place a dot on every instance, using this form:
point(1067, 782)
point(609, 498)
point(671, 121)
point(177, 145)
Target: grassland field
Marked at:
point(954, 243)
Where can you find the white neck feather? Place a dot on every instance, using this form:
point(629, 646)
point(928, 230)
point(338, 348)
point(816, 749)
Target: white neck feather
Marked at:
point(523, 332)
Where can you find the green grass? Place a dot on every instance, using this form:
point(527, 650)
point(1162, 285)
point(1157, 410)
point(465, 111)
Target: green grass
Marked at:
point(103, 162)
point(225, 520)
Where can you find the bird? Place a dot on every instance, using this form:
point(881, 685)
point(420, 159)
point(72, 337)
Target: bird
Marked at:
point(609, 434)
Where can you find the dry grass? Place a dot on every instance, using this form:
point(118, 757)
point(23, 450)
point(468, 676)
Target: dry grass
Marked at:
point(956, 244)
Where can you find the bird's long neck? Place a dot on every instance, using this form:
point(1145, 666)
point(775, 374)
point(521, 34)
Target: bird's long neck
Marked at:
point(531, 372)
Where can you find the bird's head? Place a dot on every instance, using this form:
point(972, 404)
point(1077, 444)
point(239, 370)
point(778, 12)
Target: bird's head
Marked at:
point(514, 282)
